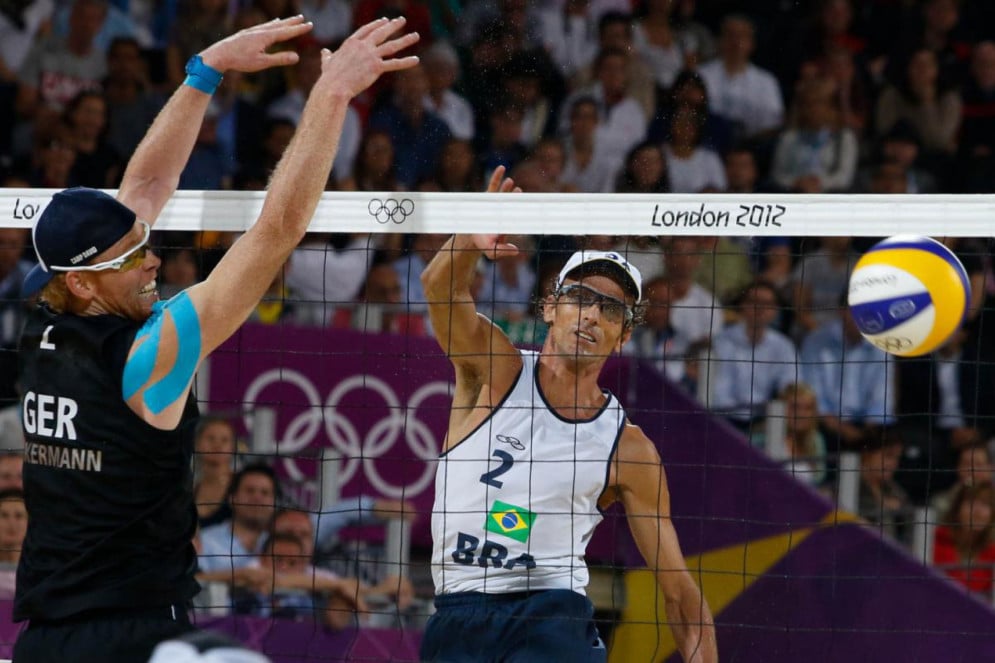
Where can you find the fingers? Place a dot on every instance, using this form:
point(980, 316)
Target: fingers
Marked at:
point(495, 182)
point(388, 48)
point(290, 31)
point(508, 185)
point(282, 58)
point(382, 32)
point(364, 31)
point(400, 63)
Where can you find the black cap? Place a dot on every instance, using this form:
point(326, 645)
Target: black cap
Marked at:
point(78, 224)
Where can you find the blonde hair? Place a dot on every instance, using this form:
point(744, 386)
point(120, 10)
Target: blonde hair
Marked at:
point(56, 294)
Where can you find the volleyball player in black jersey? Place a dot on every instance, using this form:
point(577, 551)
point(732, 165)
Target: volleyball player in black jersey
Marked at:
point(106, 369)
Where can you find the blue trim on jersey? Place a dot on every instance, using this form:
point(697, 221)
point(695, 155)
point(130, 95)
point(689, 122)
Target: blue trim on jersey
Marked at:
point(138, 370)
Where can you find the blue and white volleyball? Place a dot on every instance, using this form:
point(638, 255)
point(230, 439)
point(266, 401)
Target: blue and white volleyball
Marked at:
point(908, 295)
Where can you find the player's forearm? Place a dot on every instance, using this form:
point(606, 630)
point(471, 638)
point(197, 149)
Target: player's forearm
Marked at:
point(302, 173)
point(693, 628)
point(153, 172)
point(449, 276)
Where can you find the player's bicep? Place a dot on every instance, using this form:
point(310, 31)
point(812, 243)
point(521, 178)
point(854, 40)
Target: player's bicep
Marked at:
point(162, 362)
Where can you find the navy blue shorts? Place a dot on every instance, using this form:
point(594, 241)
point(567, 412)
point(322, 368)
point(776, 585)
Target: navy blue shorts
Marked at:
point(525, 627)
point(127, 636)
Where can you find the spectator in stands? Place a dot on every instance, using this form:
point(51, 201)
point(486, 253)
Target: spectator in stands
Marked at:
point(853, 379)
point(741, 171)
point(59, 68)
point(691, 167)
point(738, 90)
point(375, 169)
point(410, 266)
point(13, 269)
point(325, 271)
point(379, 307)
point(198, 24)
point(568, 32)
point(458, 168)
point(804, 452)
point(695, 313)
point(963, 547)
point(615, 31)
point(299, 590)
point(750, 362)
point(214, 469)
point(590, 165)
point(131, 103)
point(645, 171)
point(11, 469)
point(526, 83)
point(442, 68)
point(418, 135)
point(881, 500)
point(697, 39)
point(924, 100)
point(208, 166)
point(53, 159)
point(725, 268)
point(900, 146)
point(658, 44)
point(819, 279)
point(977, 136)
point(331, 19)
point(313, 531)
point(936, 27)
point(550, 158)
point(97, 164)
point(817, 154)
point(621, 120)
point(11, 431)
point(178, 270)
point(289, 107)
point(508, 288)
point(19, 24)
point(234, 544)
point(850, 89)
point(689, 91)
point(974, 466)
point(503, 144)
point(657, 340)
point(13, 527)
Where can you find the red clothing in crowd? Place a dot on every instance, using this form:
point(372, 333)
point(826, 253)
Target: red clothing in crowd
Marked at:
point(976, 576)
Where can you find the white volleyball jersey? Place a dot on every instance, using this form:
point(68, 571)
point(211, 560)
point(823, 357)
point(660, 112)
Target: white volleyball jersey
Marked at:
point(516, 500)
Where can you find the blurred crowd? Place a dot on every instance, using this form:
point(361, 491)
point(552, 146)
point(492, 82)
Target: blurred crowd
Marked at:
point(627, 96)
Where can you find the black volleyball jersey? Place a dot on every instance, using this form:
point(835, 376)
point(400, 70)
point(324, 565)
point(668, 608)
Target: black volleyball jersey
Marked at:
point(109, 497)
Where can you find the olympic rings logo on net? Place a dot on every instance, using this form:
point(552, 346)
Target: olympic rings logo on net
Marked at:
point(359, 452)
point(391, 209)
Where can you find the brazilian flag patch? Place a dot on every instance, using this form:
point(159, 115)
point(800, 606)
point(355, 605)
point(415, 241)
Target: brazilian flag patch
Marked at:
point(510, 520)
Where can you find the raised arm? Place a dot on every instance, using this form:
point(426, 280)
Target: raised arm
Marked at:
point(470, 340)
point(186, 329)
point(641, 484)
point(153, 172)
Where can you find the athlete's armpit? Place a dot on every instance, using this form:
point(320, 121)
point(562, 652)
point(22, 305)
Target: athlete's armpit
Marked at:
point(165, 356)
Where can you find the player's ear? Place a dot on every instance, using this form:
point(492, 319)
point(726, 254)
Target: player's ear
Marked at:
point(79, 285)
point(624, 338)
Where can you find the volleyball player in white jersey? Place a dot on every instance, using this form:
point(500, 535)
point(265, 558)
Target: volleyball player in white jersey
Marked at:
point(535, 448)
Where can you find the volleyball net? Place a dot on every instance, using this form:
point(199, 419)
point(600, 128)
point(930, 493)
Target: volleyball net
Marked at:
point(832, 501)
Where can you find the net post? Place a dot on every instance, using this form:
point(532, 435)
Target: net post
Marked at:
point(262, 437)
point(331, 488)
point(775, 431)
point(848, 498)
point(923, 531)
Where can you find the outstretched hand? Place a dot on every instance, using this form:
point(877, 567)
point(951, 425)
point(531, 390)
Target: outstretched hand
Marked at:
point(367, 54)
point(494, 246)
point(246, 50)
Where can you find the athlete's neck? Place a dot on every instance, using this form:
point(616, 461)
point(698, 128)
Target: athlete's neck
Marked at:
point(570, 387)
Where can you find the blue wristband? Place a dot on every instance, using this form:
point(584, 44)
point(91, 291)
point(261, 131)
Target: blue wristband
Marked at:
point(201, 76)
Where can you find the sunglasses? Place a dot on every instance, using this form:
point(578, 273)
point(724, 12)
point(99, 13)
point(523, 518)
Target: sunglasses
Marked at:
point(130, 259)
point(614, 310)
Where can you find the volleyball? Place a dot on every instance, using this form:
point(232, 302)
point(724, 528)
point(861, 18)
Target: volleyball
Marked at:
point(908, 295)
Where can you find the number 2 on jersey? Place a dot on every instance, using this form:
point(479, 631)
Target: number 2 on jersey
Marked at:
point(490, 478)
